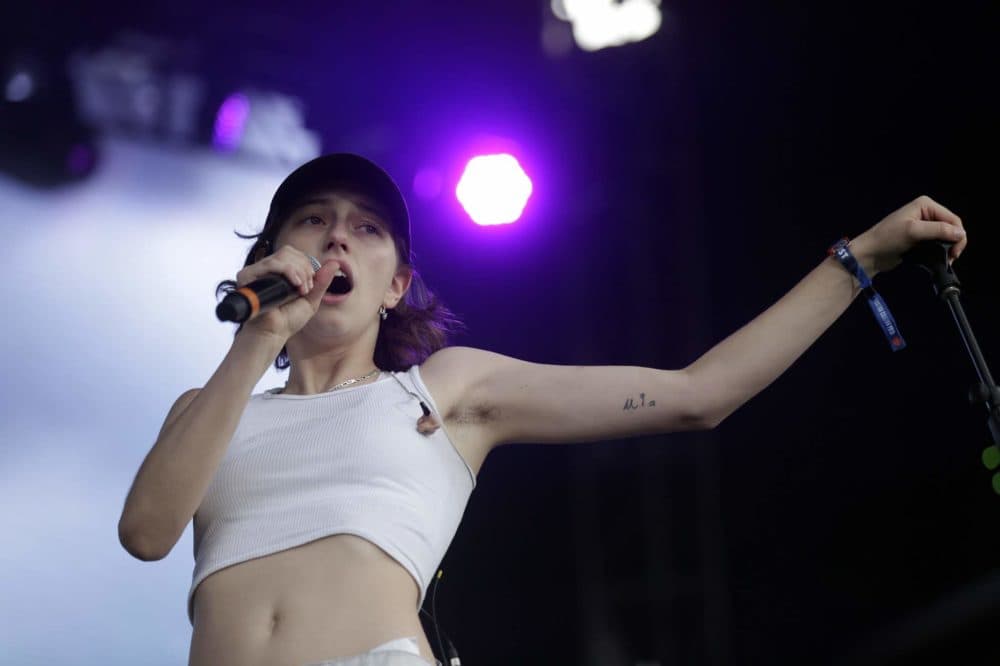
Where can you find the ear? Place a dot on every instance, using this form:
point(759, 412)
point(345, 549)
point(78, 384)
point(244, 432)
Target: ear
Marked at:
point(400, 284)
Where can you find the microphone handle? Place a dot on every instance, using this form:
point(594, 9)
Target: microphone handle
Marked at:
point(248, 300)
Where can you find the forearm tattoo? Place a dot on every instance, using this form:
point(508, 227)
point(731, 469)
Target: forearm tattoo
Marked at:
point(630, 403)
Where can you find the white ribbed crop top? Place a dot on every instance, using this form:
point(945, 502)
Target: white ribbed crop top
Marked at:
point(350, 461)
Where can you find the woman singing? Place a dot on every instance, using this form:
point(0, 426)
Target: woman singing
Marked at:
point(322, 509)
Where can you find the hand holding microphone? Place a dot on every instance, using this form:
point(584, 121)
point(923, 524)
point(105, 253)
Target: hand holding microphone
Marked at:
point(265, 287)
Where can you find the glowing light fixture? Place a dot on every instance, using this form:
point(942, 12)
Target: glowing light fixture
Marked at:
point(598, 24)
point(494, 189)
point(266, 125)
point(230, 122)
point(19, 87)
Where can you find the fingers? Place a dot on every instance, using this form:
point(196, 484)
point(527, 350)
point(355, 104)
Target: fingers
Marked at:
point(939, 231)
point(321, 281)
point(946, 225)
point(932, 210)
point(947, 232)
point(302, 309)
point(958, 248)
point(287, 261)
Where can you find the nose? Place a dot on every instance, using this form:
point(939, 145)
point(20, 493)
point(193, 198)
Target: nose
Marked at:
point(338, 235)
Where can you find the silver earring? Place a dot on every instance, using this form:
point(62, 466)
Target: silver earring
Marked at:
point(382, 313)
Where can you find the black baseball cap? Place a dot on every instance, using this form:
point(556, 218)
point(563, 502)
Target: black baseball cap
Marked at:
point(345, 170)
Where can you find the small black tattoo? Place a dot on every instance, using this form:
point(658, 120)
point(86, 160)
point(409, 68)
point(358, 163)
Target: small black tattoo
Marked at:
point(631, 404)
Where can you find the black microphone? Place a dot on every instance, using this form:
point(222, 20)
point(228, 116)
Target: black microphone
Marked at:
point(259, 295)
point(932, 256)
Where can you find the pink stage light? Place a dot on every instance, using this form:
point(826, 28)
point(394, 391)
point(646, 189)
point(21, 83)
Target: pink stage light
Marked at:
point(230, 121)
point(494, 189)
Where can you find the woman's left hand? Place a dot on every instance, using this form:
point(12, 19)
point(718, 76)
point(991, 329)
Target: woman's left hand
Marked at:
point(881, 248)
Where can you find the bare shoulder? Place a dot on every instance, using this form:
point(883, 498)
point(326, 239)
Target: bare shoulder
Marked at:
point(504, 400)
point(474, 386)
point(453, 375)
point(450, 374)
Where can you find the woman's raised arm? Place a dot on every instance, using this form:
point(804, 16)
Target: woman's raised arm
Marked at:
point(518, 401)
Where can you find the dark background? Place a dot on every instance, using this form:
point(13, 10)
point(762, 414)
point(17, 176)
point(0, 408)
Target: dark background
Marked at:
point(683, 184)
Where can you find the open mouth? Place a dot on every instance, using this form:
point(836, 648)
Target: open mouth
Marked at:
point(341, 284)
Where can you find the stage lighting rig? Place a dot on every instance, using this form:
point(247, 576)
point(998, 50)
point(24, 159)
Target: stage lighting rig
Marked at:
point(139, 86)
point(264, 125)
point(146, 87)
point(43, 143)
point(598, 24)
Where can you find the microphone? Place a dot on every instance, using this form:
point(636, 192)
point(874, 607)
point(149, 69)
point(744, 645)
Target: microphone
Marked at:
point(932, 256)
point(259, 295)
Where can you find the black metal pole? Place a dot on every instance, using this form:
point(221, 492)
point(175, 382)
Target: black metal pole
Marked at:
point(932, 256)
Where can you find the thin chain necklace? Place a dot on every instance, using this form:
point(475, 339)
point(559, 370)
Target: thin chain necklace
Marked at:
point(347, 383)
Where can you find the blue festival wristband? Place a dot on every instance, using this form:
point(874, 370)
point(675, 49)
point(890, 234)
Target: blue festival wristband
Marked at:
point(875, 302)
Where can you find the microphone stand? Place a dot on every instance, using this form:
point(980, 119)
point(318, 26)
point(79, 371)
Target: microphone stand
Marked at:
point(932, 256)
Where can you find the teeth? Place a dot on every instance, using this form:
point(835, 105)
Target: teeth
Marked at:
point(341, 287)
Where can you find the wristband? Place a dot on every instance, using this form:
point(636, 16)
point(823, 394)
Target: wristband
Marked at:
point(875, 301)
